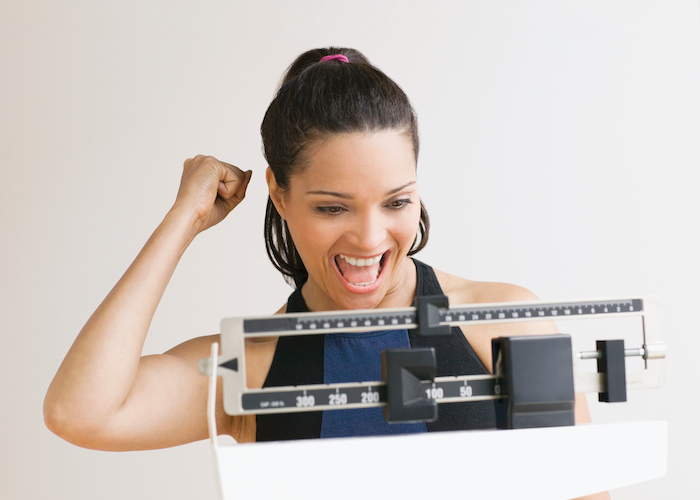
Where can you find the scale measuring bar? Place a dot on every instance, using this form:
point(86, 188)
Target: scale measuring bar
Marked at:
point(428, 318)
point(372, 319)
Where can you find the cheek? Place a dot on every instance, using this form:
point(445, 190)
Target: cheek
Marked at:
point(406, 231)
point(310, 235)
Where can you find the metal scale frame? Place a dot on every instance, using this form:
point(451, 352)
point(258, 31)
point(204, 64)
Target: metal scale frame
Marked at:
point(534, 378)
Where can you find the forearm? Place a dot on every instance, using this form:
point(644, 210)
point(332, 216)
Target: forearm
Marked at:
point(97, 375)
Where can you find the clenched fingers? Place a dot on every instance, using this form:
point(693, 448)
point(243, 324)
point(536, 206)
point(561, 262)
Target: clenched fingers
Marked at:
point(211, 189)
point(234, 182)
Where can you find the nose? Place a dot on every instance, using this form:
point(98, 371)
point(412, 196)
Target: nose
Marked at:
point(368, 231)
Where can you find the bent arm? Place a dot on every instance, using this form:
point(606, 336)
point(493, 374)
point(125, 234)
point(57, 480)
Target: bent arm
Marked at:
point(91, 394)
point(104, 395)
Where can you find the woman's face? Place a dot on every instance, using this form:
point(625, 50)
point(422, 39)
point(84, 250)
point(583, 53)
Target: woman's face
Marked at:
point(353, 213)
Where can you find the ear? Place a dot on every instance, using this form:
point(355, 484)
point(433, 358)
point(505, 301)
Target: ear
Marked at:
point(277, 195)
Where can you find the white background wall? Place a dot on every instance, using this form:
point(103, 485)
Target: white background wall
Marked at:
point(560, 151)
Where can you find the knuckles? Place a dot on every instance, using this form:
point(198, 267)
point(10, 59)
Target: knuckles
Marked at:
point(200, 161)
point(209, 164)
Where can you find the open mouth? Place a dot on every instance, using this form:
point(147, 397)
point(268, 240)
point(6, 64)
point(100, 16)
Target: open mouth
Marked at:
point(360, 272)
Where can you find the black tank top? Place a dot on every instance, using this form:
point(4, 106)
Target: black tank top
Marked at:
point(298, 360)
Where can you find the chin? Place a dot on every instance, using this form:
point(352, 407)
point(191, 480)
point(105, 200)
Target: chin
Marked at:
point(363, 301)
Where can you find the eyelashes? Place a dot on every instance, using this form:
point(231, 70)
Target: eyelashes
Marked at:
point(337, 210)
point(330, 210)
point(400, 203)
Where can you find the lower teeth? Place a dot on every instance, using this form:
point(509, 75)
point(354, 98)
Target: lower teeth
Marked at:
point(364, 284)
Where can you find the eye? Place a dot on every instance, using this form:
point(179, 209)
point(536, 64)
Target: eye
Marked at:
point(400, 203)
point(331, 210)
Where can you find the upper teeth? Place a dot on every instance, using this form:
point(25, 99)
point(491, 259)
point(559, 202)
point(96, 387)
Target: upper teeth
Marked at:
point(361, 262)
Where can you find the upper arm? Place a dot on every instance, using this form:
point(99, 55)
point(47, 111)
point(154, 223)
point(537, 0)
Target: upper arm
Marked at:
point(167, 405)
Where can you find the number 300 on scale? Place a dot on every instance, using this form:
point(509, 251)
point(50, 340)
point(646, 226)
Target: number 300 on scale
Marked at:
point(305, 401)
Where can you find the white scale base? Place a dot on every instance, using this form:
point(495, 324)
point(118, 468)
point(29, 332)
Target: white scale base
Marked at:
point(547, 463)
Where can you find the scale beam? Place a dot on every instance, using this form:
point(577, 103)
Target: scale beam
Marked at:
point(431, 316)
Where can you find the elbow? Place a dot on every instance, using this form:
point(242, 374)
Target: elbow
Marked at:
point(67, 422)
point(81, 427)
point(59, 419)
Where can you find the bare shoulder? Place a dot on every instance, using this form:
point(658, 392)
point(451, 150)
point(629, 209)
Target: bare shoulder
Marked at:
point(464, 291)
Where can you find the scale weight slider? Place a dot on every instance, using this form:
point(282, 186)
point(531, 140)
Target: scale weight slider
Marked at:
point(612, 364)
point(428, 312)
point(538, 379)
point(402, 372)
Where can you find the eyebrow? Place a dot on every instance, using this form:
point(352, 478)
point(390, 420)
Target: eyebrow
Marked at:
point(347, 196)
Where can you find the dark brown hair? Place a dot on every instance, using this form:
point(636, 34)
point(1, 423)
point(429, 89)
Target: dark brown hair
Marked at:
point(316, 100)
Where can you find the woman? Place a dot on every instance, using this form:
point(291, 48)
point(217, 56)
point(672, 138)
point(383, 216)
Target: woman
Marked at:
point(343, 216)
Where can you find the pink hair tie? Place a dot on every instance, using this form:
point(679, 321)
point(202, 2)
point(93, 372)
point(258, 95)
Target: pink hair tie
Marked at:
point(339, 57)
